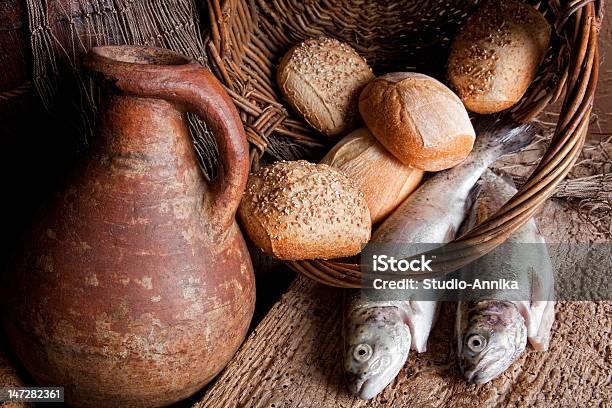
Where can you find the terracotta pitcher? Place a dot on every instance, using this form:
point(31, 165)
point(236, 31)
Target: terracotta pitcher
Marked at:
point(135, 287)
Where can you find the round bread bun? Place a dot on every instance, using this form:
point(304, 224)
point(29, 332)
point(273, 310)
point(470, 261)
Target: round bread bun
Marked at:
point(418, 119)
point(384, 181)
point(496, 56)
point(321, 79)
point(296, 210)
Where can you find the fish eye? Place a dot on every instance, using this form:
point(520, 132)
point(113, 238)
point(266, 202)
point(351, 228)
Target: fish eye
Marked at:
point(476, 343)
point(362, 352)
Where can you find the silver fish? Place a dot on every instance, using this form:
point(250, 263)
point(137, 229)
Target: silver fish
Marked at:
point(378, 335)
point(492, 332)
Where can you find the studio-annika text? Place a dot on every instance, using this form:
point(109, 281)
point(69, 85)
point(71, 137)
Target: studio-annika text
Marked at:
point(384, 263)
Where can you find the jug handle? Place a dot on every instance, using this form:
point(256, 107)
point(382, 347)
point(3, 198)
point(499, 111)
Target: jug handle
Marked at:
point(198, 91)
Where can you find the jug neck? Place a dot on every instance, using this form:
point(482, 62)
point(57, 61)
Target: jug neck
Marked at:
point(153, 129)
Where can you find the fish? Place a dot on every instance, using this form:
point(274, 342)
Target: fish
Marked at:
point(379, 334)
point(492, 329)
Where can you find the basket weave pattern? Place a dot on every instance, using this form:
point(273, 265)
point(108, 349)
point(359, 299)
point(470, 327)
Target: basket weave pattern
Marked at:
point(248, 37)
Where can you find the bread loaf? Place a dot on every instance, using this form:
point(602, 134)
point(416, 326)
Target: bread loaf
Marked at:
point(418, 119)
point(496, 56)
point(321, 79)
point(299, 210)
point(383, 179)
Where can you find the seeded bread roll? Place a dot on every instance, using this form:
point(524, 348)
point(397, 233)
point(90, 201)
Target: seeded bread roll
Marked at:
point(496, 56)
point(297, 210)
point(418, 119)
point(321, 79)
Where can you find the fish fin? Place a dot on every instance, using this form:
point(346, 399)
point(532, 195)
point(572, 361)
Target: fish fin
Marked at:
point(421, 323)
point(473, 196)
point(524, 309)
point(518, 138)
point(471, 200)
point(415, 306)
point(533, 315)
point(451, 234)
point(541, 340)
point(506, 177)
point(503, 133)
point(419, 347)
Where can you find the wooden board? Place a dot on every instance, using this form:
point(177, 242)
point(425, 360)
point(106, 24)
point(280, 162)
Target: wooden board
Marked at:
point(293, 358)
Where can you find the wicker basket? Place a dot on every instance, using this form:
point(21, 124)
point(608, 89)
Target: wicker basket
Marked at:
point(248, 37)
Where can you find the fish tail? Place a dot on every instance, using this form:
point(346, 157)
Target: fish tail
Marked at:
point(500, 135)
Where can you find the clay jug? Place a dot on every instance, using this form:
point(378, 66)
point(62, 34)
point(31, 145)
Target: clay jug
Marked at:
point(135, 287)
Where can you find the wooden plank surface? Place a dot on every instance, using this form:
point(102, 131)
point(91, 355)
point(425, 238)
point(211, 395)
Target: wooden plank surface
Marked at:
point(294, 357)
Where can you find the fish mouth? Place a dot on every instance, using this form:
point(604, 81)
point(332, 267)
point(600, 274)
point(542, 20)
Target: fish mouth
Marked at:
point(365, 389)
point(475, 377)
point(478, 376)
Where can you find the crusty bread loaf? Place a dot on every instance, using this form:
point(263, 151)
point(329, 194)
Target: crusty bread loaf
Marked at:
point(298, 210)
point(418, 119)
point(384, 181)
point(321, 79)
point(496, 56)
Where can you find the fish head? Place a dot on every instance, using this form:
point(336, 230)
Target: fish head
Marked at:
point(377, 342)
point(490, 337)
